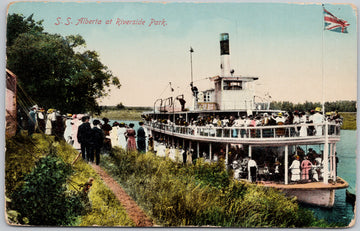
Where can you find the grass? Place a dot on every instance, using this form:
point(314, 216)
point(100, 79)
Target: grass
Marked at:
point(125, 114)
point(21, 154)
point(349, 120)
point(203, 194)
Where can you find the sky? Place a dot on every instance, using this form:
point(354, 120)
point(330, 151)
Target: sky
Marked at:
point(284, 44)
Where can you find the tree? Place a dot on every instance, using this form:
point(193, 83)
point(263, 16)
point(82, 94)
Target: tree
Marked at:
point(56, 72)
point(120, 106)
point(18, 24)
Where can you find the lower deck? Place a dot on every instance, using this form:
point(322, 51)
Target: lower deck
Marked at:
point(338, 184)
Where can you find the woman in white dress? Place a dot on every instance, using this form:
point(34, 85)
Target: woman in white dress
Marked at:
point(121, 136)
point(68, 129)
point(74, 130)
point(48, 125)
point(114, 134)
point(295, 169)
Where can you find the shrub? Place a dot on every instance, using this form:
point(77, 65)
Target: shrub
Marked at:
point(44, 199)
point(202, 194)
point(23, 153)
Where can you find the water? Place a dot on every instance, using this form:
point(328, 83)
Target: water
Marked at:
point(342, 212)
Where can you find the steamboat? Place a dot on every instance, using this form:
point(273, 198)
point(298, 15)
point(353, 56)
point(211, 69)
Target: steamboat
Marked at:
point(226, 122)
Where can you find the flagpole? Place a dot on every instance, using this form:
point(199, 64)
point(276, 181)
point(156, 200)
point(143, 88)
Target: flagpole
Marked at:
point(322, 62)
point(326, 144)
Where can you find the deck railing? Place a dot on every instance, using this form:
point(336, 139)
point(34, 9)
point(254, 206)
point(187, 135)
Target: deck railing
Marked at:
point(259, 132)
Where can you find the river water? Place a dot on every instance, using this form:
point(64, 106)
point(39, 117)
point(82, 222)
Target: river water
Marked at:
point(342, 212)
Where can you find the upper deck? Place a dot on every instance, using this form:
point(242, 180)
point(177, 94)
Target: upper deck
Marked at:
point(278, 135)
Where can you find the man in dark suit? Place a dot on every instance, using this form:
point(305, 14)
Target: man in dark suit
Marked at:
point(97, 137)
point(141, 138)
point(84, 137)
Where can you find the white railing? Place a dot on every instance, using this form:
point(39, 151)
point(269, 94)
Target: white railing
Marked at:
point(259, 132)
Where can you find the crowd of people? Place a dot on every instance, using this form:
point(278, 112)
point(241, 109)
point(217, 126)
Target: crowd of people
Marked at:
point(304, 168)
point(314, 117)
point(91, 137)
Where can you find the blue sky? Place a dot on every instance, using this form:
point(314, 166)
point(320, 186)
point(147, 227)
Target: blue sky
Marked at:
point(283, 44)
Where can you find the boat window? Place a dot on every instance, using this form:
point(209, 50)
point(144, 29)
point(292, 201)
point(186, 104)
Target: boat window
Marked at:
point(228, 85)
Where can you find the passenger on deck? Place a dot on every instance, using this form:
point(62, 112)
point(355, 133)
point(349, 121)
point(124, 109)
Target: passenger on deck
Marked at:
point(314, 171)
point(303, 121)
point(318, 119)
point(252, 168)
point(295, 169)
point(305, 168)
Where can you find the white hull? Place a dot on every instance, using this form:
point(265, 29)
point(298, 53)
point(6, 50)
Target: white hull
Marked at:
point(318, 197)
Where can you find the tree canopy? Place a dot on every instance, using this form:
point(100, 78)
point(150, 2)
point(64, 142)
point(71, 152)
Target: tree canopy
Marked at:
point(56, 71)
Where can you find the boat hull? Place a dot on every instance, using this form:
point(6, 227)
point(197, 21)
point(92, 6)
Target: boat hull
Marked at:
point(314, 193)
point(318, 197)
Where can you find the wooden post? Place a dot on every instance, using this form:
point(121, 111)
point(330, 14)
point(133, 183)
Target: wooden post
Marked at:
point(250, 153)
point(198, 149)
point(334, 151)
point(331, 161)
point(210, 152)
point(286, 164)
point(227, 156)
point(326, 155)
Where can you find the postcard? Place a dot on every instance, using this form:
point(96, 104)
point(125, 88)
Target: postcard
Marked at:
point(181, 114)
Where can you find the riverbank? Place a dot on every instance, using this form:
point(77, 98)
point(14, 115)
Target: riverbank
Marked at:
point(123, 114)
point(349, 120)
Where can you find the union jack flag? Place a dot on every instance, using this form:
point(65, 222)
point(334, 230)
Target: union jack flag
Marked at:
point(333, 23)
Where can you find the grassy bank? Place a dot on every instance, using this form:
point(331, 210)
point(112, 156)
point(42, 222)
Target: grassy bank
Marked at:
point(202, 195)
point(24, 153)
point(349, 120)
point(124, 114)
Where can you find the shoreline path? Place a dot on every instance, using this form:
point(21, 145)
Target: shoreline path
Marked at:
point(133, 210)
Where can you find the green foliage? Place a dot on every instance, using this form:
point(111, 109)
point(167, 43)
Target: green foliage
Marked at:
point(22, 152)
point(120, 106)
point(349, 120)
point(341, 106)
point(105, 207)
point(124, 114)
point(202, 194)
point(43, 198)
point(18, 24)
point(212, 174)
point(50, 66)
